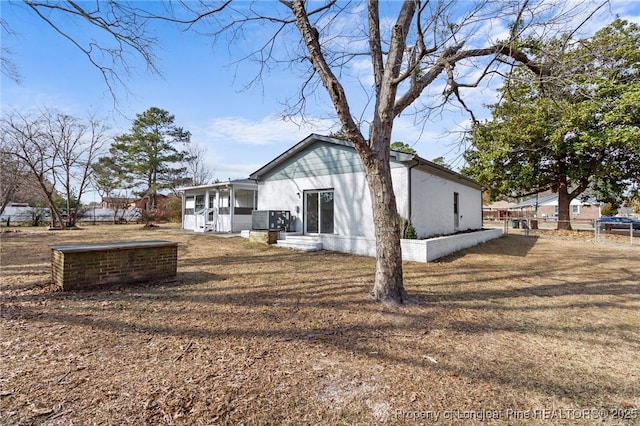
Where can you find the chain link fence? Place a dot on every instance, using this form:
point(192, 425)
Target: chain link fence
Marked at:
point(617, 233)
point(601, 232)
point(526, 225)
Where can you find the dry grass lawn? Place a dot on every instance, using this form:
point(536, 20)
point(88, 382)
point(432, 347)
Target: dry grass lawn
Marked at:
point(544, 329)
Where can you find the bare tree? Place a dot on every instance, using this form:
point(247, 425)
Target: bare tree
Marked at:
point(11, 175)
point(124, 27)
point(7, 67)
point(410, 48)
point(77, 143)
point(26, 138)
point(197, 171)
point(58, 150)
point(16, 183)
point(426, 44)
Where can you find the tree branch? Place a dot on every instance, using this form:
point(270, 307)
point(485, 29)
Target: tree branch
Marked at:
point(329, 80)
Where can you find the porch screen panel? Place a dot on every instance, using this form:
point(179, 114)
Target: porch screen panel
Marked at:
point(312, 212)
point(326, 212)
point(199, 202)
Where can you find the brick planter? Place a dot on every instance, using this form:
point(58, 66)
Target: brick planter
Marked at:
point(88, 266)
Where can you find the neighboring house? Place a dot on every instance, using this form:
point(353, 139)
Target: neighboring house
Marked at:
point(219, 207)
point(546, 207)
point(321, 181)
point(116, 202)
point(144, 203)
point(498, 210)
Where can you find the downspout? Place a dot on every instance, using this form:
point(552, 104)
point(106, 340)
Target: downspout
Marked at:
point(184, 203)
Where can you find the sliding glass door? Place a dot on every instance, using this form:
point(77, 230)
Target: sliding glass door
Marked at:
point(318, 212)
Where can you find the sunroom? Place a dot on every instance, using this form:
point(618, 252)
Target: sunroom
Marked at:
point(219, 207)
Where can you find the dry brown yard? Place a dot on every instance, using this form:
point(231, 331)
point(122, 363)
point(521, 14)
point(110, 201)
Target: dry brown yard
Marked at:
point(521, 330)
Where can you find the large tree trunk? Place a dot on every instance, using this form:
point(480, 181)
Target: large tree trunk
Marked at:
point(388, 287)
point(564, 205)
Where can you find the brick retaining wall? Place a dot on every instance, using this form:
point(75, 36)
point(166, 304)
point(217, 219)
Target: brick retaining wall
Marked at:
point(85, 266)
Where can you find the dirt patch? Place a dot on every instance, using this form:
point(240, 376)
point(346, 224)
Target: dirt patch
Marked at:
point(250, 334)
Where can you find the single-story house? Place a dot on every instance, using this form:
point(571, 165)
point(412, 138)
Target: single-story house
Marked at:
point(545, 206)
point(219, 207)
point(498, 210)
point(117, 202)
point(321, 182)
point(145, 203)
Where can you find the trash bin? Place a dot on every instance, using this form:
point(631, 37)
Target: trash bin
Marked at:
point(515, 223)
point(533, 223)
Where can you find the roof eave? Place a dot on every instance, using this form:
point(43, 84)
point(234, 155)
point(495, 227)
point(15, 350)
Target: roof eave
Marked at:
point(446, 171)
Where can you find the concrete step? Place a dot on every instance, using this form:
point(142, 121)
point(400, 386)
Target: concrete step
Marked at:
point(300, 242)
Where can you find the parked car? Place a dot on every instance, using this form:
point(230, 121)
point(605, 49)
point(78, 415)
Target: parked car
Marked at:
point(615, 222)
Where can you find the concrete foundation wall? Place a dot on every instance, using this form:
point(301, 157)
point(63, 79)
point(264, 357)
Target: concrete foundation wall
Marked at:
point(435, 248)
point(412, 250)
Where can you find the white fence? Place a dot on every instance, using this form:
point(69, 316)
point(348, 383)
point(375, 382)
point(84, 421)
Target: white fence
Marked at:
point(15, 215)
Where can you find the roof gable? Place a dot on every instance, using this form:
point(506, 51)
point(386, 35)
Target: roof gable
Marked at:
point(321, 155)
point(318, 159)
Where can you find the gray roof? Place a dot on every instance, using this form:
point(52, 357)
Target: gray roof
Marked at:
point(548, 198)
point(247, 183)
point(541, 199)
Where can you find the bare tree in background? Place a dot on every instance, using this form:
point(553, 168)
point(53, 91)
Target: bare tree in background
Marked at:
point(419, 56)
point(78, 143)
point(197, 171)
point(7, 66)
point(16, 183)
point(11, 174)
point(58, 150)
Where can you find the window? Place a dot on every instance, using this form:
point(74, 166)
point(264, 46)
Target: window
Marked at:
point(575, 209)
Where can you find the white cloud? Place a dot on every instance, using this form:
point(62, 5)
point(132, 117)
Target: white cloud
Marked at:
point(267, 131)
point(238, 146)
point(229, 171)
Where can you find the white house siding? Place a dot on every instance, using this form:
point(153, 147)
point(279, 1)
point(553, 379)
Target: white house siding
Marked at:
point(326, 166)
point(432, 202)
point(351, 206)
point(319, 163)
point(432, 205)
point(352, 202)
point(400, 179)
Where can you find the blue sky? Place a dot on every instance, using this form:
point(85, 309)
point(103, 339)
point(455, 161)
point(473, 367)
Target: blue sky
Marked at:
point(241, 129)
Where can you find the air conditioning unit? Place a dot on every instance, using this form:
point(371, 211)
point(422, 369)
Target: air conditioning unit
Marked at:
point(270, 220)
